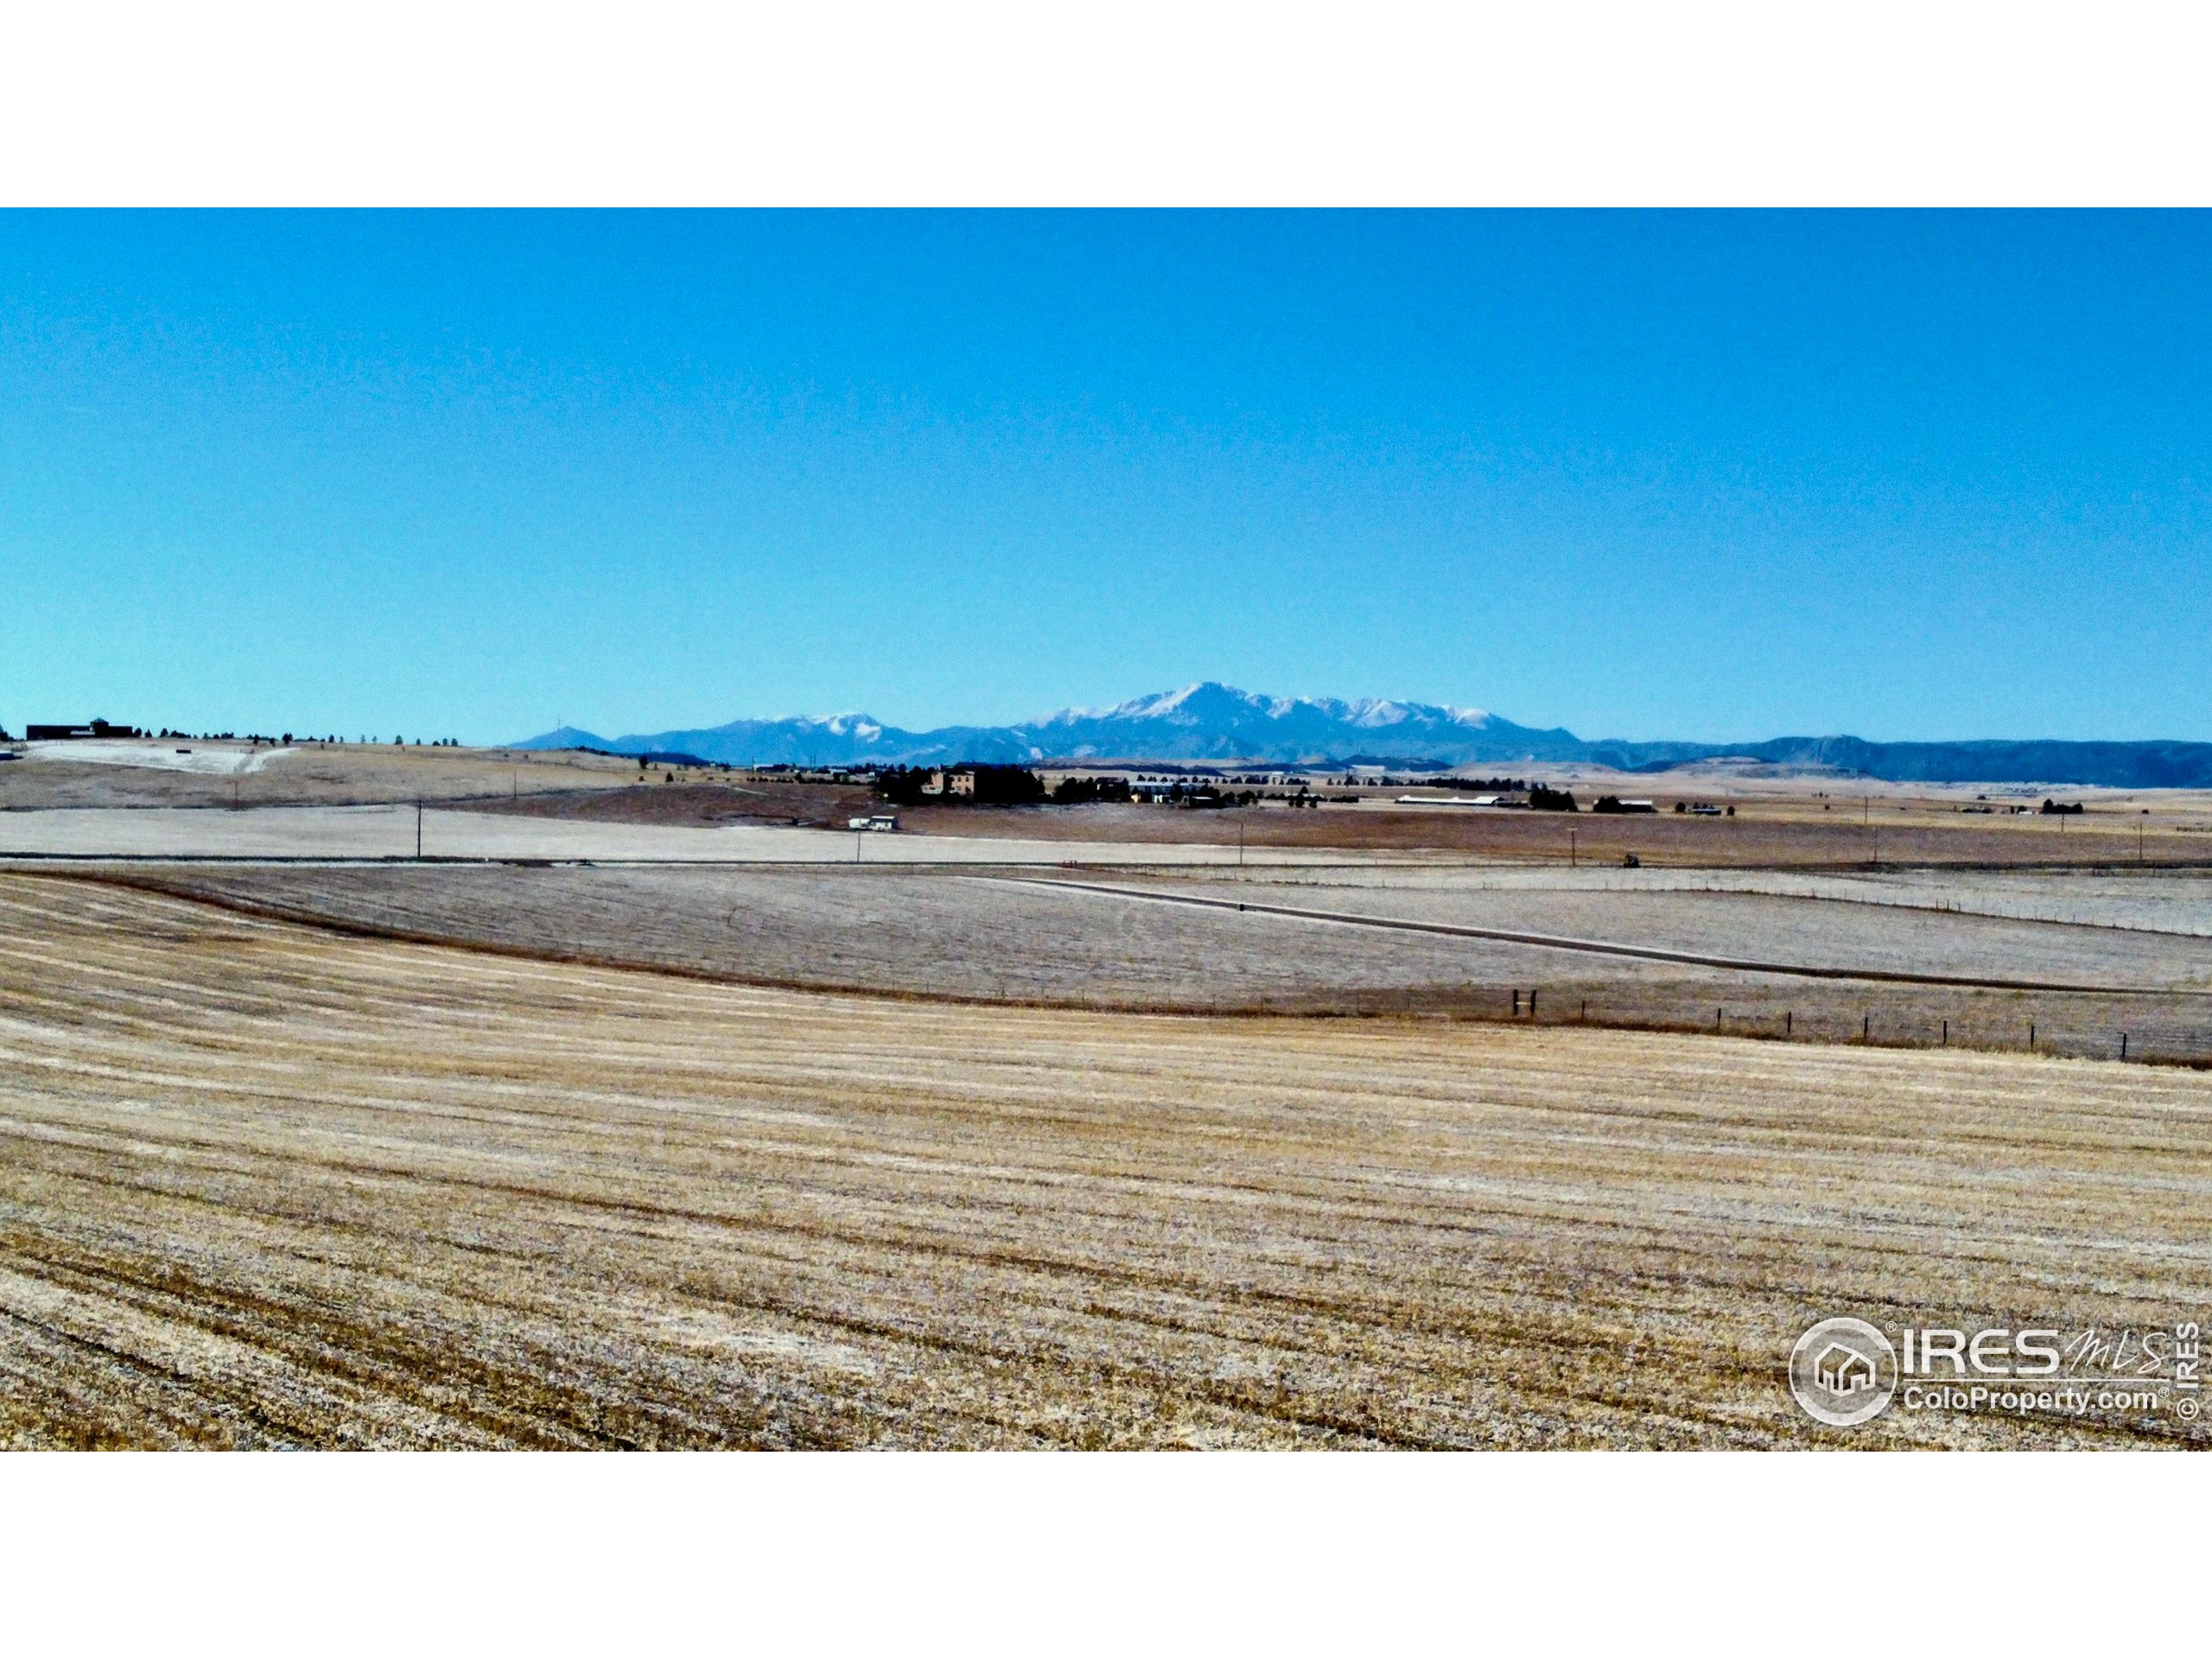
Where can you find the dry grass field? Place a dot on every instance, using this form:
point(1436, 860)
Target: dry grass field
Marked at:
point(1927, 938)
point(266, 1184)
point(704, 800)
point(2141, 899)
point(1072, 939)
point(1775, 829)
point(346, 774)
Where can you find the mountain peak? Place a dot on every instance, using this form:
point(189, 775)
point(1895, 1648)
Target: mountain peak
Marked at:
point(562, 737)
point(1191, 702)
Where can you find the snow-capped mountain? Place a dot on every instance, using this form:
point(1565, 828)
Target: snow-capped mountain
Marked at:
point(1213, 723)
point(1207, 722)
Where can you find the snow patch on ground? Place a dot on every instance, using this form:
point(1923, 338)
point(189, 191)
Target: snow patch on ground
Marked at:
point(218, 760)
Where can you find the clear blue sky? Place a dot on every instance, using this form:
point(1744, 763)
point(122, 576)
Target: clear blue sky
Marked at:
point(1653, 476)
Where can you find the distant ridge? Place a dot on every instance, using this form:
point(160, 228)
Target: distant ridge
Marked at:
point(1209, 722)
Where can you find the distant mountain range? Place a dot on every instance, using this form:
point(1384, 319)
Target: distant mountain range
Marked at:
point(1213, 724)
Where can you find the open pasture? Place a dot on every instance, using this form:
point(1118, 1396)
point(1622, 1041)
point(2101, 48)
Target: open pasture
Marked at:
point(268, 1186)
point(2136, 897)
point(1086, 939)
point(1776, 830)
point(583, 803)
point(1829, 930)
point(134, 774)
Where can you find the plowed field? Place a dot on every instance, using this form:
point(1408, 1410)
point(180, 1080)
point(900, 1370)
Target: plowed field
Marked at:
point(262, 1184)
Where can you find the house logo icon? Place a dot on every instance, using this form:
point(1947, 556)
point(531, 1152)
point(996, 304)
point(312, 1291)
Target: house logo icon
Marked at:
point(1843, 1372)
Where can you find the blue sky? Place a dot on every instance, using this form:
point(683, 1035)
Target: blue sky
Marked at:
point(1642, 474)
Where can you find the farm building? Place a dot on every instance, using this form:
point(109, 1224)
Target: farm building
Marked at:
point(65, 733)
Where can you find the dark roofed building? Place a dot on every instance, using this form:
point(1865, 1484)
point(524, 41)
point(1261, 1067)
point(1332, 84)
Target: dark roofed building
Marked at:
point(62, 734)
